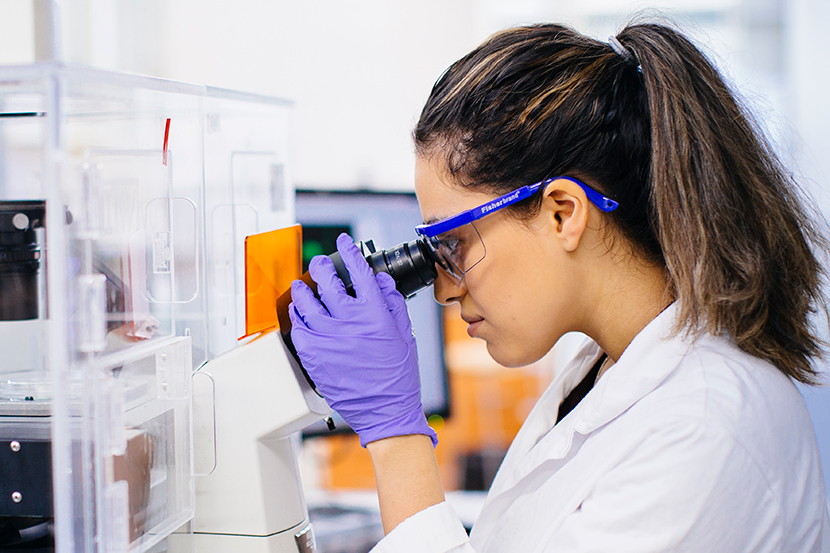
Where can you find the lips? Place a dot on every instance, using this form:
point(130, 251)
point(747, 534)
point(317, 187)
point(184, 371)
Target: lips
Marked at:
point(472, 324)
point(470, 320)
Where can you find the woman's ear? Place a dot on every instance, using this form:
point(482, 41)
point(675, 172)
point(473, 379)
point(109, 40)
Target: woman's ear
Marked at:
point(565, 206)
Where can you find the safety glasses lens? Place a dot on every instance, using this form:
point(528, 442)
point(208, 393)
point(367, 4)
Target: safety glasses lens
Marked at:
point(459, 250)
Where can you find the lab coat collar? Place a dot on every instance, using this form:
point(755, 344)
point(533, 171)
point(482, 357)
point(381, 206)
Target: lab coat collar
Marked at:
point(647, 361)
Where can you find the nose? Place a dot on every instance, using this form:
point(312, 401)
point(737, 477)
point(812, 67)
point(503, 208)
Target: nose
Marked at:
point(447, 289)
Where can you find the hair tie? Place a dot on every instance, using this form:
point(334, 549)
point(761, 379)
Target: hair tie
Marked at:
point(624, 53)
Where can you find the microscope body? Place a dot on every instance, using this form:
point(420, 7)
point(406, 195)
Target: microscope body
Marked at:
point(250, 498)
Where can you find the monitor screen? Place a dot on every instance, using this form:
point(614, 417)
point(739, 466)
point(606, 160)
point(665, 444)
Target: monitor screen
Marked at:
point(388, 219)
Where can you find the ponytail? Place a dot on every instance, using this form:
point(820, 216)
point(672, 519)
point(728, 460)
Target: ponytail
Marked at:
point(735, 238)
point(699, 190)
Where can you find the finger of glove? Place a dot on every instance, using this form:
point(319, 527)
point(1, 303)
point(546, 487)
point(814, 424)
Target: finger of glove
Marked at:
point(363, 277)
point(396, 304)
point(302, 338)
point(307, 306)
point(296, 318)
point(299, 328)
point(329, 286)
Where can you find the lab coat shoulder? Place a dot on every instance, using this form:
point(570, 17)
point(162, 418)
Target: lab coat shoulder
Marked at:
point(720, 457)
point(760, 418)
point(686, 443)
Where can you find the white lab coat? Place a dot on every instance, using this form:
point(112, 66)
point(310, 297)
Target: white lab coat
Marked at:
point(682, 445)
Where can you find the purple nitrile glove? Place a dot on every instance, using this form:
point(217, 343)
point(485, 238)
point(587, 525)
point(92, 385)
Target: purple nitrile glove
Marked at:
point(359, 351)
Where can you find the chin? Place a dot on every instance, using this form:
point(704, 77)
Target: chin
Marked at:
point(511, 359)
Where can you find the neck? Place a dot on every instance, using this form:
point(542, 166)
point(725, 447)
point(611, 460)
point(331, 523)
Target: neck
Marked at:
point(629, 294)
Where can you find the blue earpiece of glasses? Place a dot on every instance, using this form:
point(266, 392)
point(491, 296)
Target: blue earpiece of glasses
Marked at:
point(450, 223)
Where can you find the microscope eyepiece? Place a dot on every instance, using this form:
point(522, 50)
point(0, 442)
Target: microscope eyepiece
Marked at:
point(410, 264)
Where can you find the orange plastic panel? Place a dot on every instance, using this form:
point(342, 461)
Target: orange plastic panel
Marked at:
point(272, 261)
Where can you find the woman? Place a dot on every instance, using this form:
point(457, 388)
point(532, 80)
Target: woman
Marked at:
point(660, 224)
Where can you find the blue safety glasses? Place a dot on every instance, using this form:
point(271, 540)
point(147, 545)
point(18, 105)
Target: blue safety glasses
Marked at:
point(456, 243)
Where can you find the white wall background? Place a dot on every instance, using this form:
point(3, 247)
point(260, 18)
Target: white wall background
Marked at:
point(359, 70)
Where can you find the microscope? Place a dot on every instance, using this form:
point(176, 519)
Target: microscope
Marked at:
point(232, 508)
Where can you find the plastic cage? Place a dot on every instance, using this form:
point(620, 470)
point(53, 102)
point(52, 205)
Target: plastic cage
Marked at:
point(124, 203)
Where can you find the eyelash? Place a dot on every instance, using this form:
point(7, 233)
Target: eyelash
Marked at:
point(450, 243)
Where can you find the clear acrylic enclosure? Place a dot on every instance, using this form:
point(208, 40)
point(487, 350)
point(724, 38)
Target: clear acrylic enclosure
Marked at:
point(124, 203)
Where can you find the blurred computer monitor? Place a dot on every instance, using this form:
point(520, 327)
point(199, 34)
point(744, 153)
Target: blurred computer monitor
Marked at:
point(388, 219)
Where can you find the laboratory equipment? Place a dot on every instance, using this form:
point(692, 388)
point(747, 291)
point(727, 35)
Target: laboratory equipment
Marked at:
point(130, 417)
point(389, 218)
point(410, 263)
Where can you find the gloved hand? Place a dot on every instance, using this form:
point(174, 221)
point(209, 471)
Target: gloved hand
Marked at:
point(359, 351)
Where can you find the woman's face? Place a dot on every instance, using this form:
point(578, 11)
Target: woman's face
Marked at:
point(520, 297)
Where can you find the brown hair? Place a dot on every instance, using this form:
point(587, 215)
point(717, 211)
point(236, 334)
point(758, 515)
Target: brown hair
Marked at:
point(658, 130)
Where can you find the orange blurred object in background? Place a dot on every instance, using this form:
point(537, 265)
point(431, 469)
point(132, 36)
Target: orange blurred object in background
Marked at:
point(272, 261)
